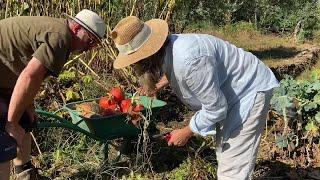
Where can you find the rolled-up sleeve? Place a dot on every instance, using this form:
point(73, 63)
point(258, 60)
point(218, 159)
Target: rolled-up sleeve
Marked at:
point(203, 81)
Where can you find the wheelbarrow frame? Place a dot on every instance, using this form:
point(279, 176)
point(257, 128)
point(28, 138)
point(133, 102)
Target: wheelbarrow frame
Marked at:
point(98, 128)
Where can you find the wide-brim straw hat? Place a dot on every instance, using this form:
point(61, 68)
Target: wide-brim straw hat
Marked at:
point(91, 21)
point(137, 40)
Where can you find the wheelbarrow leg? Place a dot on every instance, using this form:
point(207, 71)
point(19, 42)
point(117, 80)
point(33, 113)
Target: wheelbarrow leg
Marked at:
point(105, 152)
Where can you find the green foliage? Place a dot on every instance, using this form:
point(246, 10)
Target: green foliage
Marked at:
point(275, 16)
point(283, 16)
point(299, 103)
point(313, 128)
point(79, 87)
point(283, 141)
point(72, 95)
point(194, 169)
point(66, 76)
point(87, 79)
point(72, 152)
point(235, 28)
point(212, 12)
point(133, 176)
point(183, 171)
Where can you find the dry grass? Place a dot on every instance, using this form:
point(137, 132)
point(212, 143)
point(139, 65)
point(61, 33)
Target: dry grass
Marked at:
point(274, 50)
point(307, 75)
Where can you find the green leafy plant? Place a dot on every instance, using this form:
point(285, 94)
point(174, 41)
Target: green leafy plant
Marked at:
point(298, 103)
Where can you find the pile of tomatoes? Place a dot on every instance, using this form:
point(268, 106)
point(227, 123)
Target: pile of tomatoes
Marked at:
point(116, 102)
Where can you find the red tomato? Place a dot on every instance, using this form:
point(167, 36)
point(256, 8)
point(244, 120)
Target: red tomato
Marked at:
point(117, 94)
point(126, 106)
point(106, 102)
point(138, 108)
point(107, 105)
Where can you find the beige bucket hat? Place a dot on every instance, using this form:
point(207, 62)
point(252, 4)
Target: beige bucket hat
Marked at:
point(91, 21)
point(137, 40)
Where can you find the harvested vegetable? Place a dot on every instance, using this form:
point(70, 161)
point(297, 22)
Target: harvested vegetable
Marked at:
point(117, 94)
point(108, 106)
point(126, 106)
point(88, 109)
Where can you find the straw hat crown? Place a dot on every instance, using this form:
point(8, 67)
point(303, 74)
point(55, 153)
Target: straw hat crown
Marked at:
point(126, 30)
point(137, 40)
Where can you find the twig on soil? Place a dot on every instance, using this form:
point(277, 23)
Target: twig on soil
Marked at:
point(62, 97)
point(35, 141)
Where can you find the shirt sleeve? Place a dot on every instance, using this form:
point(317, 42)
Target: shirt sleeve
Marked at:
point(203, 81)
point(53, 52)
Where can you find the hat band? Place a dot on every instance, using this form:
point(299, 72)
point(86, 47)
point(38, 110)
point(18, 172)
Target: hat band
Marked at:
point(87, 27)
point(133, 45)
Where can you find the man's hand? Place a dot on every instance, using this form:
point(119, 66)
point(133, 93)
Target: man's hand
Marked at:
point(16, 131)
point(163, 82)
point(180, 137)
point(31, 113)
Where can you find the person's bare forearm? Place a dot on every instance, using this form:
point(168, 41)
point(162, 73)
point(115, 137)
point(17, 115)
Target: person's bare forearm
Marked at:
point(163, 82)
point(23, 94)
point(25, 90)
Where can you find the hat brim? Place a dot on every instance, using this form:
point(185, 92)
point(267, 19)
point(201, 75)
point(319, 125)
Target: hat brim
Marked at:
point(84, 26)
point(159, 33)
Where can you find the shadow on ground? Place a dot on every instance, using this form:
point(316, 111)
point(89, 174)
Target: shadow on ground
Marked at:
point(266, 170)
point(277, 53)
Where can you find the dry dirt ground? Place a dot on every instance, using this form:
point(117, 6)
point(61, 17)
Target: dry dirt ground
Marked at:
point(306, 59)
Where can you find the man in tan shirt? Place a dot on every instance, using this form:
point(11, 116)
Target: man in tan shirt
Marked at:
point(31, 48)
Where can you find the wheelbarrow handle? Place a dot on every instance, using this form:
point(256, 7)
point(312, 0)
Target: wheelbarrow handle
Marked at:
point(67, 126)
point(62, 123)
point(51, 115)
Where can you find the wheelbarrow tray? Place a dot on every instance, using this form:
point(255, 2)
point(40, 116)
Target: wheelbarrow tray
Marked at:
point(114, 126)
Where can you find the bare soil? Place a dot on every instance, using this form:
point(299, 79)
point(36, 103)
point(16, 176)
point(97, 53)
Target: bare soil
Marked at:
point(306, 59)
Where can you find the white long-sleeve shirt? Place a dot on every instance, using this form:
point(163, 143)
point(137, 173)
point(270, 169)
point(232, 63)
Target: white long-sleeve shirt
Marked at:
point(212, 76)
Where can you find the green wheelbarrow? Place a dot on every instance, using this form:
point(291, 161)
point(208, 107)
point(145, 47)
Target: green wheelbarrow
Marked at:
point(102, 129)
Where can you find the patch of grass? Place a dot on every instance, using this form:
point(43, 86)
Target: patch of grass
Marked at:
point(273, 49)
point(193, 169)
point(308, 74)
point(68, 154)
point(199, 25)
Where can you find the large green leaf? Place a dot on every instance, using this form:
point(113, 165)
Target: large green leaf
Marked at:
point(317, 117)
point(282, 141)
point(281, 102)
point(316, 98)
point(310, 106)
point(66, 76)
point(314, 87)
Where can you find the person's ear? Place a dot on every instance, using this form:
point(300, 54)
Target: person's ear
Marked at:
point(76, 28)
